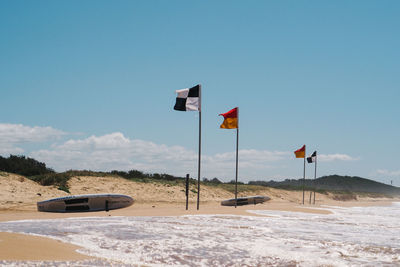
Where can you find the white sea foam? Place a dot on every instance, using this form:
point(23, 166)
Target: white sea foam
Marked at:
point(367, 236)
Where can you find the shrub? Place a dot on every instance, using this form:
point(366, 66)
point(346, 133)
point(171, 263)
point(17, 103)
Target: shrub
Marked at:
point(59, 179)
point(23, 166)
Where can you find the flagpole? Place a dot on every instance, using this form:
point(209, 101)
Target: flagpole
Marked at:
point(304, 172)
point(237, 153)
point(198, 167)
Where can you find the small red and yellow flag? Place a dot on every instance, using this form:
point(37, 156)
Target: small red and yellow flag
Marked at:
point(301, 152)
point(230, 119)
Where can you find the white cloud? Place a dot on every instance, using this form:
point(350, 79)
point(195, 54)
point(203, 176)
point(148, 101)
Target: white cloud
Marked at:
point(334, 157)
point(388, 173)
point(13, 135)
point(115, 151)
point(251, 163)
point(10, 150)
point(253, 155)
point(18, 133)
point(110, 141)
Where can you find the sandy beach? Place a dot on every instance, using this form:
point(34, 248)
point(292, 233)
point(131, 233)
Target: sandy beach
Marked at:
point(19, 196)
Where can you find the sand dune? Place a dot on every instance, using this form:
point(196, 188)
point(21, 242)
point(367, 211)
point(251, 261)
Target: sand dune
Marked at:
point(18, 197)
point(21, 194)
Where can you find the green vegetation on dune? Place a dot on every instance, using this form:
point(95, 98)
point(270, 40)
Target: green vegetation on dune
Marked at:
point(343, 186)
point(335, 183)
point(230, 187)
point(139, 176)
point(23, 166)
point(38, 172)
point(61, 179)
point(57, 179)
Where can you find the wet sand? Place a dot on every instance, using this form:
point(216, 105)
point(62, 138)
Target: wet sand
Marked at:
point(27, 247)
point(19, 196)
point(18, 247)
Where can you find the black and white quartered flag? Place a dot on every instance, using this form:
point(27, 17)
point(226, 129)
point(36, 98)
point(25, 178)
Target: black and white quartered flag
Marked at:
point(188, 99)
point(312, 158)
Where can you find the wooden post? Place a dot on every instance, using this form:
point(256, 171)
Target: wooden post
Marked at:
point(187, 191)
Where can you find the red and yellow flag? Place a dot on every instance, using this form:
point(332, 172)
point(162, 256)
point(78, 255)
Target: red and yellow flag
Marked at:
point(301, 152)
point(230, 119)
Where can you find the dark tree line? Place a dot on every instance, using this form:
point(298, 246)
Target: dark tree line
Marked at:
point(334, 183)
point(214, 180)
point(138, 174)
point(23, 166)
point(38, 172)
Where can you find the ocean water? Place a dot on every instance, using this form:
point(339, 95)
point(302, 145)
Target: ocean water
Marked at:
point(357, 236)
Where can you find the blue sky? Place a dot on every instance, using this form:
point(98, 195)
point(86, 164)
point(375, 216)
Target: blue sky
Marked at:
point(90, 84)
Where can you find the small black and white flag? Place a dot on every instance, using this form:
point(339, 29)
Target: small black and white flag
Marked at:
point(312, 158)
point(188, 99)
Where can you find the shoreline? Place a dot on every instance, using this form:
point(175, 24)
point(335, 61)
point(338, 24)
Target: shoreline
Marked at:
point(161, 209)
point(178, 209)
point(20, 195)
point(25, 247)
